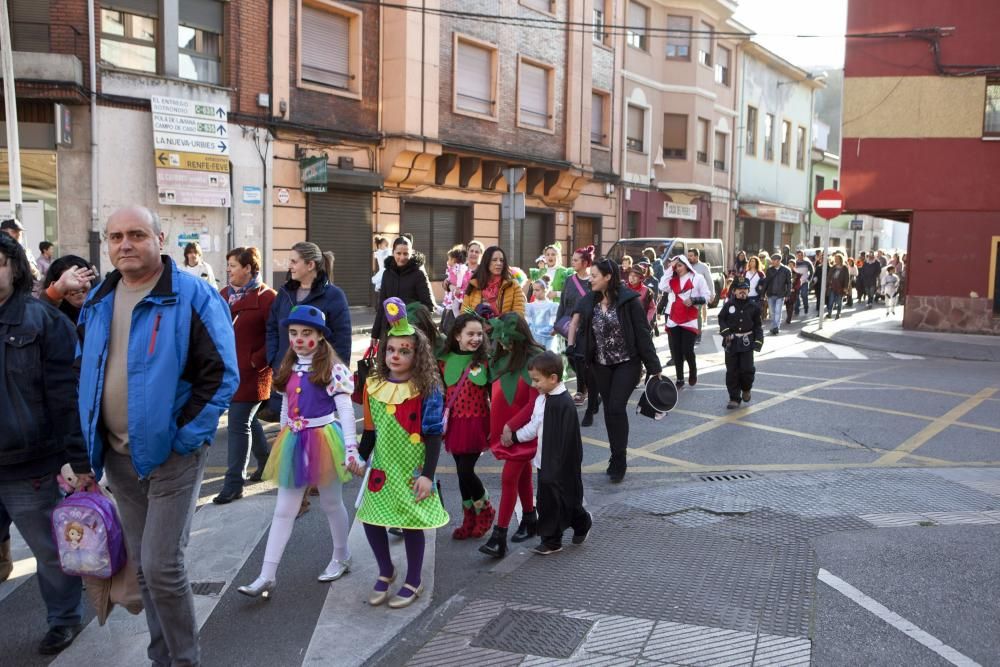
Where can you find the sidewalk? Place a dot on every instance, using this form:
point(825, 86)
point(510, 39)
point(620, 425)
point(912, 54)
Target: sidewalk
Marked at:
point(362, 320)
point(872, 330)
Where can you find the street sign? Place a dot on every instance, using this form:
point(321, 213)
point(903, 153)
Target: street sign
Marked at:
point(828, 204)
point(519, 210)
point(191, 149)
point(191, 161)
point(857, 225)
point(252, 194)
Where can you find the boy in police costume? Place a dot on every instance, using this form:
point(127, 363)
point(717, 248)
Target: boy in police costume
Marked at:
point(742, 334)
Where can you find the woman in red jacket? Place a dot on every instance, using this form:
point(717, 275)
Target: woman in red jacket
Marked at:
point(250, 303)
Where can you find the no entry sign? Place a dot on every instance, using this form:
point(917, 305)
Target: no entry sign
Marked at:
point(828, 204)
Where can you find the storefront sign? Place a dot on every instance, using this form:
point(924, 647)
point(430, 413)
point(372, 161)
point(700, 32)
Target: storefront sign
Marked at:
point(776, 213)
point(313, 171)
point(252, 194)
point(64, 125)
point(682, 211)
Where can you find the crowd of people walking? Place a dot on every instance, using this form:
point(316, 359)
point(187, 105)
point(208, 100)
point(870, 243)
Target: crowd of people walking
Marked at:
point(162, 353)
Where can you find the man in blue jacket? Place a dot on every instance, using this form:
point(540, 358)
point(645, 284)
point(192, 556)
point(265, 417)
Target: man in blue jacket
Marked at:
point(157, 370)
point(39, 432)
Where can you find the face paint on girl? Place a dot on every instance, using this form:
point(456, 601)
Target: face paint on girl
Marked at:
point(303, 339)
point(399, 352)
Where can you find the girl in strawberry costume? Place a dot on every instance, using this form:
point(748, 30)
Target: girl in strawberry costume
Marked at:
point(467, 406)
point(403, 405)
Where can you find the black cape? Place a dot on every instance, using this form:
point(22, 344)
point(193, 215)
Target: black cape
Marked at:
point(560, 484)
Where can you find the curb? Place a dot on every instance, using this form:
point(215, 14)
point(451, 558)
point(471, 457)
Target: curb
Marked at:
point(814, 336)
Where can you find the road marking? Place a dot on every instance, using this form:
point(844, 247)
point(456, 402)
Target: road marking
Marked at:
point(844, 352)
point(896, 621)
point(935, 427)
point(900, 355)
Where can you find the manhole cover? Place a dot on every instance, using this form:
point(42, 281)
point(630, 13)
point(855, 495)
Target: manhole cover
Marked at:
point(533, 633)
point(725, 477)
point(207, 587)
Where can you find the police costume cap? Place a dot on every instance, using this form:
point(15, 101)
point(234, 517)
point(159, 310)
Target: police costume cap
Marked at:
point(659, 396)
point(310, 316)
point(740, 283)
point(395, 317)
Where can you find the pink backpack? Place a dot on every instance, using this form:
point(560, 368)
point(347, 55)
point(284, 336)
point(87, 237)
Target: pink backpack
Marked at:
point(88, 535)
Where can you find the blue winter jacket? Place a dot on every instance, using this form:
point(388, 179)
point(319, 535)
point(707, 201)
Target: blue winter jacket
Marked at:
point(324, 295)
point(181, 364)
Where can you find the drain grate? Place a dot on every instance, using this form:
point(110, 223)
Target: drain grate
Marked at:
point(207, 587)
point(533, 633)
point(725, 477)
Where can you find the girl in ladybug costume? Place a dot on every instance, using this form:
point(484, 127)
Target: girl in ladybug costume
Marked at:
point(403, 405)
point(467, 406)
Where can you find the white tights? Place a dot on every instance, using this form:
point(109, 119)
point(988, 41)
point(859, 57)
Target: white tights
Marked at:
point(289, 501)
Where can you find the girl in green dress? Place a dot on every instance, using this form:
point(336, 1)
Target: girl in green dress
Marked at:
point(403, 405)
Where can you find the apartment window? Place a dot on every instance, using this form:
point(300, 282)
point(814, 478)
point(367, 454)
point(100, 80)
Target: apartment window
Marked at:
point(752, 131)
point(769, 136)
point(199, 42)
point(635, 32)
point(329, 46)
point(636, 129)
point(720, 151)
point(598, 107)
point(599, 32)
point(820, 183)
point(675, 132)
point(474, 78)
point(722, 66)
point(786, 142)
point(533, 95)
point(836, 184)
point(800, 149)
point(679, 37)
point(540, 5)
point(128, 40)
point(703, 131)
point(991, 119)
point(705, 40)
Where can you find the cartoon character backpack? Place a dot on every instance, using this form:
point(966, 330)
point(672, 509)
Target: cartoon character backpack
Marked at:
point(88, 535)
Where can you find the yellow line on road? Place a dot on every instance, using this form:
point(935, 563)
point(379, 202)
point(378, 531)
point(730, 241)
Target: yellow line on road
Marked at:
point(935, 427)
point(679, 463)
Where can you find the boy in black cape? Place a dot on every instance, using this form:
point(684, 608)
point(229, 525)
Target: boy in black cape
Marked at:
point(742, 334)
point(559, 456)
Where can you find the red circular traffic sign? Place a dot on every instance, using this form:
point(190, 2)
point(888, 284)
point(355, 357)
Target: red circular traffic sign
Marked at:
point(828, 204)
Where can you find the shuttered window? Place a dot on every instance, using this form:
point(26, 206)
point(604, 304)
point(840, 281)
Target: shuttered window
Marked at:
point(703, 130)
point(435, 230)
point(325, 48)
point(675, 130)
point(474, 79)
point(635, 129)
point(679, 37)
point(705, 44)
point(533, 95)
point(29, 25)
point(635, 33)
point(720, 151)
point(597, 135)
point(536, 231)
point(540, 5)
point(342, 222)
point(991, 117)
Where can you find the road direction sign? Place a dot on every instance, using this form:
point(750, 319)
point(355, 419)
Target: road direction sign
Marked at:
point(190, 143)
point(191, 108)
point(191, 126)
point(183, 178)
point(191, 161)
point(195, 197)
point(828, 204)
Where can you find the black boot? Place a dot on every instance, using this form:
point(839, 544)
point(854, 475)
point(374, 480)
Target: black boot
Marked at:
point(497, 544)
point(528, 528)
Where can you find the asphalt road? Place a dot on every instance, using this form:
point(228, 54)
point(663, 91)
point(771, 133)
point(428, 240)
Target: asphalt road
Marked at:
point(818, 409)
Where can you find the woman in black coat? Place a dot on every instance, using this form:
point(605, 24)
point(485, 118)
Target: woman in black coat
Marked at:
point(404, 277)
point(612, 336)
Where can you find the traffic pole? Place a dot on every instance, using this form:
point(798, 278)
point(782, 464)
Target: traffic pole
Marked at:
point(10, 106)
point(823, 275)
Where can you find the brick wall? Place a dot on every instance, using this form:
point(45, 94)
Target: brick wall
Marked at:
point(247, 43)
point(68, 30)
point(547, 46)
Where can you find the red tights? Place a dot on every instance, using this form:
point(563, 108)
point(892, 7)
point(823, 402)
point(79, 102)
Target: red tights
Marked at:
point(515, 481)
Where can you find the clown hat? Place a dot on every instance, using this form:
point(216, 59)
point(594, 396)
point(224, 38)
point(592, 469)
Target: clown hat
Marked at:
point(310, 316)
point(395, 317)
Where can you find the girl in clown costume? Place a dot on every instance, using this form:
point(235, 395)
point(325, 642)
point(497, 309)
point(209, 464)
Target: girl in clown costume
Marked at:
point(313, 449)
point(403, 406)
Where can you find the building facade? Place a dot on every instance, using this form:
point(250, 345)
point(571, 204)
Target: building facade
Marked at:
point(680, 82)
point(80, 166)
point(773, 152)
point(920, 145)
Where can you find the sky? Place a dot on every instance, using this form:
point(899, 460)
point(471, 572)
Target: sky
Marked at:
point(775, 21)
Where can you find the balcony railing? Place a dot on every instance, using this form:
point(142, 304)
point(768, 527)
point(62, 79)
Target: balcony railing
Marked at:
point(720, 165)
point(675, 153)
point(702, 157)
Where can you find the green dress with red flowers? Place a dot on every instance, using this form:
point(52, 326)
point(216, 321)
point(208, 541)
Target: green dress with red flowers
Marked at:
point(401, 418)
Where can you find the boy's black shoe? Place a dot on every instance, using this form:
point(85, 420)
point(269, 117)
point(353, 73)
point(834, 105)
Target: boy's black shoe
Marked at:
point(58, 638)
point(588, 419)
point(580, 538)
point(545, 549)
point(616, 476)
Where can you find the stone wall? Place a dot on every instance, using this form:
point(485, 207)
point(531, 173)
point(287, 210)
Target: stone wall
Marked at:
point(951, 314)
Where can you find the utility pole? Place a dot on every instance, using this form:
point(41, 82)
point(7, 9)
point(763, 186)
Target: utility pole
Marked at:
point(10, 105)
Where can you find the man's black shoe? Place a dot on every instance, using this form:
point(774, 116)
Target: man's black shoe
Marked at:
point(544, 549)
point(588, 419)
point(227, 497)
point(58, 638)
point(616, 476)
point(581, 537)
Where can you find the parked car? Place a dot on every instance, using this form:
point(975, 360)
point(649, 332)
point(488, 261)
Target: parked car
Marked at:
point(710, 251)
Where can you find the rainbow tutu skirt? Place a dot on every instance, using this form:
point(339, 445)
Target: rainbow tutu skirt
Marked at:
point(310, 457)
